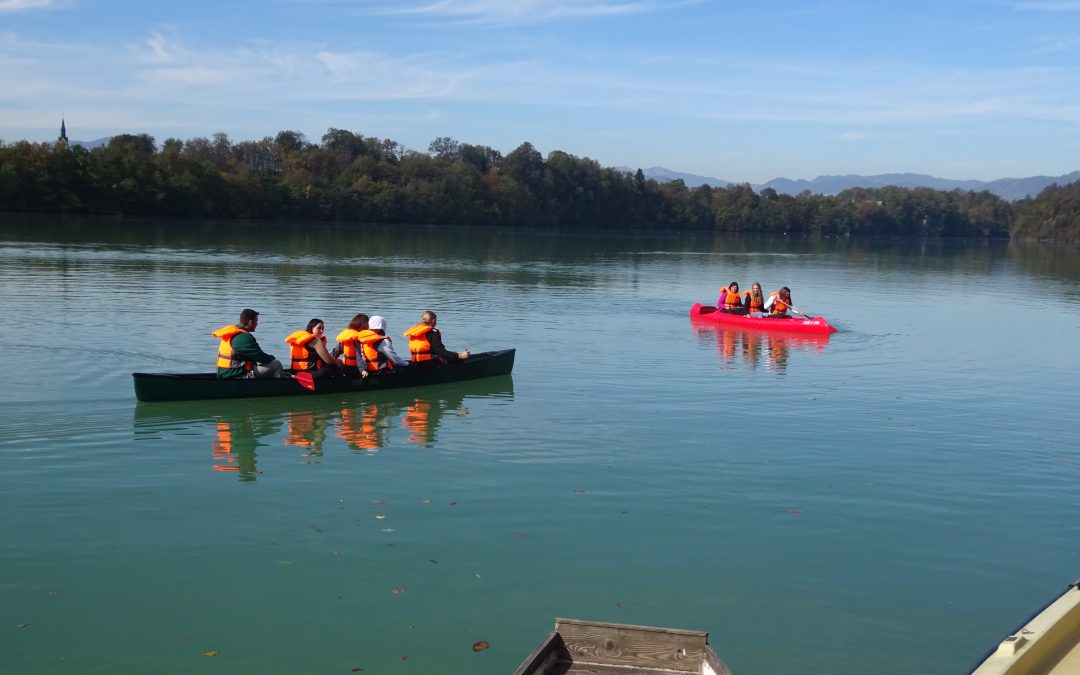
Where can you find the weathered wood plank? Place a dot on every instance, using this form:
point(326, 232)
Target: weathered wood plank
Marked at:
point(643, 647)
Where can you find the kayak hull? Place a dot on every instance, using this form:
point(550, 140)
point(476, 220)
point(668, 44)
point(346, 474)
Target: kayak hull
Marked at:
point(813, 326)
point(201, 386)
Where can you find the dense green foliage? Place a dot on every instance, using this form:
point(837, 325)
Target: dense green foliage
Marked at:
point(350, 177)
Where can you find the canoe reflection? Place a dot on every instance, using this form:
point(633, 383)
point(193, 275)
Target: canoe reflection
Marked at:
point(758, 348)
point(244, 429)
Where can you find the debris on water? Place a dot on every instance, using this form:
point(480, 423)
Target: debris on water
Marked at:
point(210, 652)
point(480, 646)
point(795, 512)
point(425, 501)
point(184, 640)
point(50, 594)
point(398, 590)
point(579, 491)
point(23, 625)
point(523, 535)
point(284, 562)
point(432, 560)
point(619, 605)
point(379, 501)
point(404, 657)
point(358, 670)
point(380, 517)
point(388, 529)
point(453, 503)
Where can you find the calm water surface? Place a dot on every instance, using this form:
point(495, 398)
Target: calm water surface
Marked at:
point(893, 499)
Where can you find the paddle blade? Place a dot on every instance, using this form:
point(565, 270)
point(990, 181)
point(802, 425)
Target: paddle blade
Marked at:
point(306, 380)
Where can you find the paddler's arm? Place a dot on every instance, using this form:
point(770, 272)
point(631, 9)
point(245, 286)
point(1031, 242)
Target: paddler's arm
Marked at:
point(247, 346)
point(327, 358)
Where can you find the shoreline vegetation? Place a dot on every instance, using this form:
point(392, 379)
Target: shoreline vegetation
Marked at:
point(348, 177)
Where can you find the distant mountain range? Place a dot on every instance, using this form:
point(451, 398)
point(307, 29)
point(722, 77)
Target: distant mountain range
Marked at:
point(1006, 188)
point(90, 145)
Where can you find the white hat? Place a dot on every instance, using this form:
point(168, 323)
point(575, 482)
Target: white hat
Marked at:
point(377, 323)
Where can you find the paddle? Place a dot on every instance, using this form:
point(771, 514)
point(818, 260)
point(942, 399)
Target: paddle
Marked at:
point(305, 380)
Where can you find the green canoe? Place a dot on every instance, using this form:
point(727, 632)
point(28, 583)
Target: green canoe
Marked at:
point(198, 386)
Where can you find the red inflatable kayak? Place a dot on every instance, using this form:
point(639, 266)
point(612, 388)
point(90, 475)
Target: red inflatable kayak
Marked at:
point(816, 325)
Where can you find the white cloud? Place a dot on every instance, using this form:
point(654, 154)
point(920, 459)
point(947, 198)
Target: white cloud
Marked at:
point(854, 136)
point(24, 5)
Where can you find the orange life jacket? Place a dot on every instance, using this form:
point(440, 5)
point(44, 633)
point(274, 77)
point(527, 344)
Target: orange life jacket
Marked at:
point(731, 299)
point(222, 447)
point(225, 356)
point(304, 357)
point(349, 341)
point(417, 420)
point(419, 346)
point(373, 359)
point(779, 307)
point(359, 428)
point(752, 304)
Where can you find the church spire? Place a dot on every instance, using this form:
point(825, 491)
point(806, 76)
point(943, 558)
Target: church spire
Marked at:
point(63, 130)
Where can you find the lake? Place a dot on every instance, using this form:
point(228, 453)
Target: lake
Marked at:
point(893, 499)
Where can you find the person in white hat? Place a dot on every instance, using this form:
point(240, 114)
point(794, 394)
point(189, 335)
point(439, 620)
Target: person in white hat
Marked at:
point(385, 347)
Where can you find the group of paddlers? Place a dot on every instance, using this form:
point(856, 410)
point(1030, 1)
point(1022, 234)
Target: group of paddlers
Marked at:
point(754, 301)
point(361, 348)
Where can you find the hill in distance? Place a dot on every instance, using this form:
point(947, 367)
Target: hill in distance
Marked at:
point(1006, 188)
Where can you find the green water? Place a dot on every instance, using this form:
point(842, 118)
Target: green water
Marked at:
point(893, 499)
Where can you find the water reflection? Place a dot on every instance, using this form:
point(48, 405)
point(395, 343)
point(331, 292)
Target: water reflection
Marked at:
point(756, 349)
point(240, 431)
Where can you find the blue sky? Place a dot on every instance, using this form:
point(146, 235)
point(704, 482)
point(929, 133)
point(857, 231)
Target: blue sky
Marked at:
point(741, 91)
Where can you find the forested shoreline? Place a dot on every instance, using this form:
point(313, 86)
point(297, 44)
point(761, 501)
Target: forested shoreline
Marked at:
point(348, 177)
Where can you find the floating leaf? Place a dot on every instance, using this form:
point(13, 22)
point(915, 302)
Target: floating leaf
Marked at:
point(480, 646)
point(210, 652)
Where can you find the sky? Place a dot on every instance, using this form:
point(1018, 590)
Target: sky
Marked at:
point(741, 91)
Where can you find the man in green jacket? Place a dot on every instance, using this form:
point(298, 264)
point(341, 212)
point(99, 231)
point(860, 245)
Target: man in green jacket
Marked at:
point(239, 354)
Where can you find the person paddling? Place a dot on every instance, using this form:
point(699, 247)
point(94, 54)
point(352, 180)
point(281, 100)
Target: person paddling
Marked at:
point(378, 349)
point(755, 299)
point(309, 353)
point(779, 303)
point(730, 301)
point(425, 342)
point(239, 355)
point(350, 345)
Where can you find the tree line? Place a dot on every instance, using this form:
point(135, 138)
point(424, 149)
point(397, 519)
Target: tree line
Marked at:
point(348, 177)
